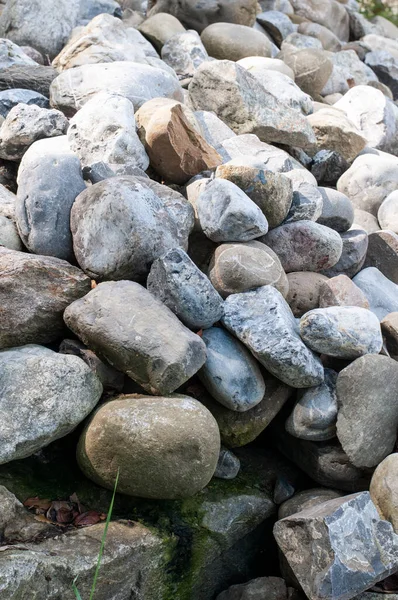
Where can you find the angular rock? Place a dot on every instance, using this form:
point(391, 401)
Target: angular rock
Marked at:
point(277, 24)
point(138, 335)
point(380, 292)
point(11, 54)
point(45, 395)
point(214, 131)
point(160, 27)
point(236, 268)
point(387, 214)
point(352, 259)
point(326, 568)
point(240, 100)
point(9, 237)
point(305, 246)
point(306, 499)
point(304, 291)
point(341, 291)
point(386, 68)
point(307, 200)
point(228, 41)
point(121, 432)
point(296, 41)
point(368, 414)
point(228, 465)
point(383, 253)
point(327, 38)
point(177, 282)
point(348, 71)
point(263, 321)
point(335, 132)
point(342, 331)
point(312, 68)
point(337, 211)
point(184, 52)
point(10, 98)
point(389, 328)
point(230, 374)
point(272, 588)
point(328, 166)
point(383, 489)
point(7, 203)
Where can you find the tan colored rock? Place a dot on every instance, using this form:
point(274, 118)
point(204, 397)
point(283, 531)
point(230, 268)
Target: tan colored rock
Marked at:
point(384, 489)
point(304, 290)
point(312, 68)
point(383, 253)
point(228, 41)
point(389, 329)
point(175, 148)
point(365, 220)
point(335, 132)
point(306, 499)
point(159, 28)
point(341, 291)
point(329, 13)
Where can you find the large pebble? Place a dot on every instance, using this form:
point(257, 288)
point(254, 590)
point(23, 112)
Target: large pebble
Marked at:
point(44, 396)
point(384, 489)
point(185, 290)
point(164, 448)
point(365, 220)
point(233, 42)
point(10, 98)
point(381, 293)
point(228, 465)
point(312, 68)
point(342, 331)
point(305, 246)
point(306, 499)
point(231, 374)
point(341, 291)
point(368, 413)
point(389, 328)
point(329, 13)
point(383, 253)
point(184, 52)
point(263, 321)
point(387, 214)
point(352, 259)
point(9, 237)
point(160, 28)
point(138, 335)
point(304, 291)
point(337, 211)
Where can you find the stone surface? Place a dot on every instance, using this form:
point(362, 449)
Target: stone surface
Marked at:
point(387, 215)
point(389, 328)
point(240, 100)
point(312, 68)
point(138, 335)
point(311, 541)
point(341, 291)
point(327, 38)
point(236, 268)
point(9, 236)
point(272, 588)
point(10, 98)
point(328, 166)
point(383, 489)
point(11, 54)
point(315, 412)
point(335, 132)
point(122, 432)
point(233, 42)
point(348, 71)
point(337, 211)
point(342, 331)
point(226, 214)
point(305, 246)
point(185, 290)
point(263, 321)
point(352, 259)
point(304, 291)
point(329, 13)
point(306, 499)
point(368, 415)
point(386, 68)
point(258, 64)
point(184, 52)
point(380, 292)
point(160, 28)
point(228, 465)
point(137, 82)
point(143, 219)
point(34, 292)
point(307, 200)
point(36, 78)
point(45, 396)
point(383, 253)
point(230, 374)
point(365, 220)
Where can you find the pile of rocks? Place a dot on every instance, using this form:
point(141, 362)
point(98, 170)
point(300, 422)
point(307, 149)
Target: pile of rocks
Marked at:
point(199, 250)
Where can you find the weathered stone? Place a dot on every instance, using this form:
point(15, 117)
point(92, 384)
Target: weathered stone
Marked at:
point(305, 246)
point(228, 465)
point(327, 38)
point(304, 291)
point(24, 125)
point(143, 220)
point(7, 202)
point(328, 166)
point(256, 65)
point(271, 588)
point(240, 100)
point(283, 490)
point(387, 214)
point(352, 259)
point(315, 412)
point(45, 396)
point(296, 41)
point(10, 98)
point(17, 523)
point(236, 268)
point(383, 489)
point(36, 78)
point(9, 236)
point(137, 82)
point(184, 52)
point(228, 41)
point(383, 253)
point(138, 335)
point(263, 321)
point(368, 415)
point(337, 211)
point(380, 292)
point(214, 131)
point(386, 68)
point(277, 24)
point(365, 220)
point(160, 27)
point(307, 200)
point(342, 331)
point(230, 374)
point(226, 214)
point(306, 499)
point(336, 132)
point(11, 54)
point(328, 568)
point(389, 328)
point(329, 13)
point(341, 291)
point(312, 68)
point(122, 431)
point(348, 71)
point(34, 292)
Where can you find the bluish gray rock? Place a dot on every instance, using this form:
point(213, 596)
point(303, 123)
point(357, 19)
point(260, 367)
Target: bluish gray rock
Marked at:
point(226, 214)
point(184, 52)
point(385, 65)
point(306, 204)
point(329, 564)
point(352, 259)
point(315, 412)
point(328, 166)
point(228, 465)
point(9, 237)
point(185, 290)
point(337, 211)
point(231, 374)
point(10, 98)
point(264, 322)
point(342, 331)
point(382, 294)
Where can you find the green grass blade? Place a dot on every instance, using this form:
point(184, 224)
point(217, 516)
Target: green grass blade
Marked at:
point(108, 518)
point(76, 591)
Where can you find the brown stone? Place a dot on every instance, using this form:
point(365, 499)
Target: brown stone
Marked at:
point(389, 329)
point(304, 290)
point(341, 291)
point(306, 499)
point(383, 253)
point(176, 149)
point(384, 489)
point(335, 132)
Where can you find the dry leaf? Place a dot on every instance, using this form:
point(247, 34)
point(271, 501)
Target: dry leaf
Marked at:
point(40, 505)
point(91, 517)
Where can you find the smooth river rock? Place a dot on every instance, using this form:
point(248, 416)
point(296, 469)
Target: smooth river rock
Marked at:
point(381, 293)
point(384, 489)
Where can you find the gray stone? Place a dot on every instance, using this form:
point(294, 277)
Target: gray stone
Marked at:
point(387, 214)
point(26, 124)
point(341, 291)
point(328, 166)
point(312, 68)
point(383, 253)
point(236, 268)
point(327, 38)
point(37, 78)
point(305, 246)
point(34, 292)
point(368, 415)
point(45, 395)
point(138, 335)
point(337, 211)
point(352, 259)
point(214, 130)
point(122, 431)
point(342, 331)
point(228, 41)
point(307, 200)
point(271, 588)
point(160, 28)
point(17, 523)
point(277, 24)
point(11, 54)
point(9, 236)
point(263, 321)
point(380, 291)
point(240, 100)
point(304, 291)
point(227, 214)
point(228, 465)
point(325, 566)
point(315, 412)
point(306, 499)
point(296, 41)
point(10, 98)
point(329, 13)
point(379, 42)
point(230, 374)
point(348, 71)
point(365, 220)
point(184, 52)
point(137, 82)
point(142, 219)
point(386, 68)
point(104, 131)
point(185, 290)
